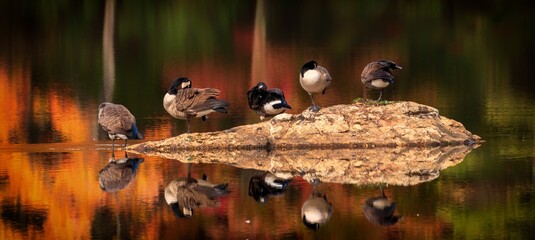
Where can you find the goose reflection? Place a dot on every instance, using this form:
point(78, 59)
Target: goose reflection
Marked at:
point(261, 185)
point(186, 193)
point(379, 210)
point(317, 210)
point(118, 173)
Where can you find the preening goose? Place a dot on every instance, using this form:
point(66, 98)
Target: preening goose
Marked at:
point(314, 79)
point(184, 102)
point(118, 122)
point(378, 75)
point(266, 102)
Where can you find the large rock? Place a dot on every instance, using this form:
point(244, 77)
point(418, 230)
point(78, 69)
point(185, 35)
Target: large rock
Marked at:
point(359, 125)
point(400, 143)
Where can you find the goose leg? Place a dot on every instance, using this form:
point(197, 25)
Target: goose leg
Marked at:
point(125, 143)
point(187, 122)
point(313, 108)
point(380, 95)
point(112, 149)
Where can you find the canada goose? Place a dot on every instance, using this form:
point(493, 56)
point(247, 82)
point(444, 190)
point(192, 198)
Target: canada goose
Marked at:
point(118, 173)
point(314, 79)
point(118, 122)
point(263, 185)
point(316, 211)
point(266, 102)
point(184, 102)
point(377, 75)
point(186, 193)
point(379, 210)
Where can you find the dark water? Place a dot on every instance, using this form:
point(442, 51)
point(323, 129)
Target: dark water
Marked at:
point(60, 59)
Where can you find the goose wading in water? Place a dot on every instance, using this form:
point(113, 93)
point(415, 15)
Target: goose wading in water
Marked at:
point(118, 122)
point(314, 79)
point(266, 102)
point(184, 102)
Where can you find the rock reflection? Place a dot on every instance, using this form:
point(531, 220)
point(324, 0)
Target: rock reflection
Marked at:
point(393, 166)
point(316, 210)
point(379, 210)
point(186, 193)
point(264, 184)
point(118, 173)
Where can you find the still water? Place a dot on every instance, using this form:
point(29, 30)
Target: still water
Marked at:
point(59, 60)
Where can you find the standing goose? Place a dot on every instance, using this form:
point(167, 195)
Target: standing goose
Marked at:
point(379, 210)
point(118, 122)
point(266, 102)
point(314, 79)
point(377, 75)
point(184, 102)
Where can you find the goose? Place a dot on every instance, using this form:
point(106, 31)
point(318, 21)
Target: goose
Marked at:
point(379, 210)
point(266, 102)
point(118, 173)
point(118, 122)
point(263, 185)
point(184, 102)
point(186, 193)
point(314, 79)
point(316, 210)
point(378, 75)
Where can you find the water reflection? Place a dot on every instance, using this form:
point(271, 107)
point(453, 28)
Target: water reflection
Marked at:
point(379, 210)
point(316, 210)
point(118, 173)
point(395, 166)
point(264, 184)
point(22, 217)
point(187, 193)
point(103, 226)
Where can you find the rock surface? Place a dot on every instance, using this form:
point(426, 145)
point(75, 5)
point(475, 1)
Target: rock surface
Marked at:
point(401, 143)
point(359, 125)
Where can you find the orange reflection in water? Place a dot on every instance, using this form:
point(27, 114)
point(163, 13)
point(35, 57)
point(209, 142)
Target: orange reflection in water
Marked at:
point(15, 85)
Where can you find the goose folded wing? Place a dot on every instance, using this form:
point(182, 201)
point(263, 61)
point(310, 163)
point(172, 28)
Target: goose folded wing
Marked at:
point(250, 99)
point(189, 98)
point(377, 74)
point(127, 119)
point(116, 118)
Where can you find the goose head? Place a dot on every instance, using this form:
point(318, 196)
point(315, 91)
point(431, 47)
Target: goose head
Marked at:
point(179, 83)
point(389, 65)
point(308, 66)
point(261, 86)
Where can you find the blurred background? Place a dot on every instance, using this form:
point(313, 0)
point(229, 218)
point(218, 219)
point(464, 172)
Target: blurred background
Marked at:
point(59, 60)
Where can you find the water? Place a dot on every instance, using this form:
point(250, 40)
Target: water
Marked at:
point(58, 61)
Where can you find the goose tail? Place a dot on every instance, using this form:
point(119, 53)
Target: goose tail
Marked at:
point(135, 132)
